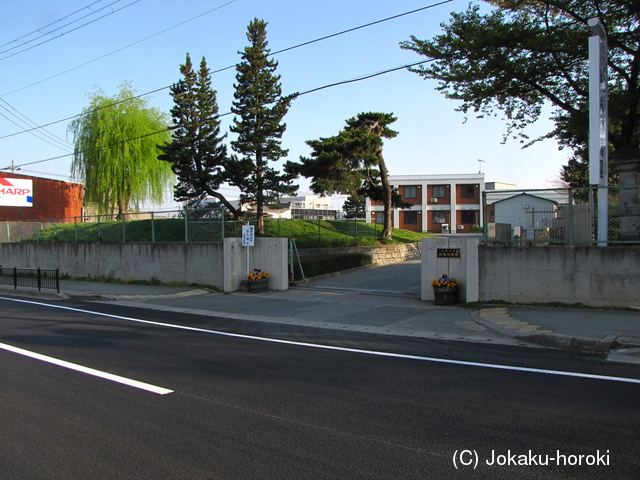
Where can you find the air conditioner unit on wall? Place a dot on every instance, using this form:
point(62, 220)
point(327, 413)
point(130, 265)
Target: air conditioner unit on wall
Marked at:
point(460, 227)
point(434, 200)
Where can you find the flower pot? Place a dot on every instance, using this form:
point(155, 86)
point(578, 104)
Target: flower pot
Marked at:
point(257, 286)
point(446, 296)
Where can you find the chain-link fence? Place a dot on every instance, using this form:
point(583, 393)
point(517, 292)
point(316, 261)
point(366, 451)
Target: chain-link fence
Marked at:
point(566, 216)
point(176, 226)
point(185, 226)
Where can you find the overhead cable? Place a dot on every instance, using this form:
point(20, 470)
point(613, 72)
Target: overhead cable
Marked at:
point(72, 30)
point(41, 34)
point(119, 50)
point(212, 72)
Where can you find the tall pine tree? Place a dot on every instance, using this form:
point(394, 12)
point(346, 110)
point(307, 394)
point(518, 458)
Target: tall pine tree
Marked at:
point(352, 162)
point(259, 108)
point(197, 155)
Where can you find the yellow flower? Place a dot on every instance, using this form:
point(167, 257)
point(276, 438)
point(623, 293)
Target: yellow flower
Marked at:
point(445, 282)
point(258, 274)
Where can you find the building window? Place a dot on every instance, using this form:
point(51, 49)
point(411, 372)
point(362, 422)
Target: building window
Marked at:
point(467, 191)
point(410, 192)
point(410, 218)
point(439, 217)
point(380, 218)
point(439, 191)
point(468, 217)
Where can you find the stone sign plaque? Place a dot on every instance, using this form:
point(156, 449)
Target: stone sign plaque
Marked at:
point(448, 253)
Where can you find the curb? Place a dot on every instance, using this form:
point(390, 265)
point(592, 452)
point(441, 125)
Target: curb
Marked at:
point(557, 340)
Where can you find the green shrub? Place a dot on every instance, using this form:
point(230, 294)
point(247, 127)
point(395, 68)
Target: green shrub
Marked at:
point(323, 264)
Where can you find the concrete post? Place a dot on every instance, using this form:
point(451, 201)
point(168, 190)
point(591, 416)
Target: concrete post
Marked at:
point(463, 268)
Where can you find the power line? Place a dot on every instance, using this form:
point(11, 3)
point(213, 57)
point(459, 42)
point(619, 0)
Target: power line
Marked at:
point(72, 30)
point(307, 92)
point(313, 90)
point(42, 134)
point(393, 17)
point(49, 24)
point(363, 26)
point(26, 42)
point(119, 50)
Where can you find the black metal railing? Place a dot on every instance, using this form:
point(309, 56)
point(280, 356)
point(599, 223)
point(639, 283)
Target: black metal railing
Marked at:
point(31, 277)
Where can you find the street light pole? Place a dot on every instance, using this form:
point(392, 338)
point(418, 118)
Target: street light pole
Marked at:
point(599, 125)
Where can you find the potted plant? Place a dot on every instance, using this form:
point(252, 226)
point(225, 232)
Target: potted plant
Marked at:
point(445, 290)
point(257, 281)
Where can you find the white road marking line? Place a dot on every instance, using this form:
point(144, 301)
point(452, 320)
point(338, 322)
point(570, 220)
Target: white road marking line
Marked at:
point(87, 370)
point(343, 349)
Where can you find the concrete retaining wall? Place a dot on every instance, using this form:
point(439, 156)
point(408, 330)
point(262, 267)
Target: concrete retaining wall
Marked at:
point(381, 254)
point(596, 276)
point(222, 266)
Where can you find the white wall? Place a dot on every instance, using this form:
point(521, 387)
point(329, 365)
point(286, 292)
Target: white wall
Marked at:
point(268, 254)
point(595, 276)
point(222, 266)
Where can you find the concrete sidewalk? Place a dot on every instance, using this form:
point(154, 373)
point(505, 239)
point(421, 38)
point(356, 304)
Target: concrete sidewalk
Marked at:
point(356, 301)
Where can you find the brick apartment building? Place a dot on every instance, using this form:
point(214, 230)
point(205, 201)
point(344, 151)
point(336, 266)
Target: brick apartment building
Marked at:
point(50, 199)
point(440, 203)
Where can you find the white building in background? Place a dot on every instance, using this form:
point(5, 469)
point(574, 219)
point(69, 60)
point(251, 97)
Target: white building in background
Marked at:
point(488, 186)
point(303, 207)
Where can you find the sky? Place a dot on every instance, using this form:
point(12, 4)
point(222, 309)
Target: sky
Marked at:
point(53, 54)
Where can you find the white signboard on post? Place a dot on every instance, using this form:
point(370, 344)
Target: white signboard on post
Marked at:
point(16, 192)
point(248, 235)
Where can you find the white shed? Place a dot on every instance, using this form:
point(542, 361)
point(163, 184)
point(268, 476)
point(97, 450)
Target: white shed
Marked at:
point(526, 211)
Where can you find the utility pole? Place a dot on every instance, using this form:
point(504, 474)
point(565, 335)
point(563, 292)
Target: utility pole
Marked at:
point(599, 125)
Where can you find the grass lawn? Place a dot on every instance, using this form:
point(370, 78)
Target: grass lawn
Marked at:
point(306, 233)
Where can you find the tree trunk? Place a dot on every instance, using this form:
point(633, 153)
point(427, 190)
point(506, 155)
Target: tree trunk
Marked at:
point(122, 210)
point(386, 196)
point(260, 192)
point(237, 214)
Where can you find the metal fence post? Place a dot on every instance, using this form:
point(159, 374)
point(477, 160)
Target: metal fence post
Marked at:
point(15, 278)
point(39, 275)
point(153, 228)
point(186, 225)
point(58, 279)
point(222, 224)
point(570, 219)
point(485, 212)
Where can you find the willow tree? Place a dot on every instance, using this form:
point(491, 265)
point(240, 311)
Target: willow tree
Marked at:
point(116, 152)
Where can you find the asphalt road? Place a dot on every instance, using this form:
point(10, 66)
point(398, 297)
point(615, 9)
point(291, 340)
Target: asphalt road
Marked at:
point(239, 407)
